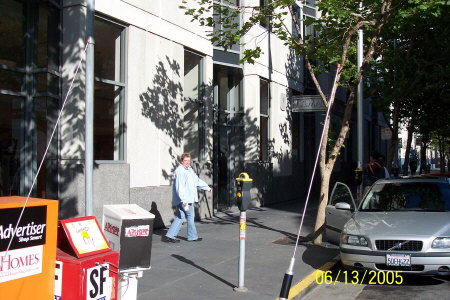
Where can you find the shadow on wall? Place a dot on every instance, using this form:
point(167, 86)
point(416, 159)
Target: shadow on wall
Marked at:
point(72, 130)
point(72, 125)
point(260, 171)
point(163, 105)
point(263, 171)
point(160, 104)
point(282, 155)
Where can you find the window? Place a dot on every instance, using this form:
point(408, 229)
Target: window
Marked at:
point(263, 8)
point(303, 16)
point(29, 95)
point(10, 136)
point(231, 5)
point(308, 29)
point(231, 2)
point(228, 81)
point(193, 109)
point(298, 16)
point(264, 108)
point(109, 90)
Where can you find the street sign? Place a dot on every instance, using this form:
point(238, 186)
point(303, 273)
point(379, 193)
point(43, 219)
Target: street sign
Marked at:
point(307, 103)
point(386, 133)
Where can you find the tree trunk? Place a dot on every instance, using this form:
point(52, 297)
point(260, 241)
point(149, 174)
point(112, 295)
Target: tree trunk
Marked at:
point(423, 159)
point(442, 153)
point(423, 153)
point(327, 163)
point(323, 201)
point(408, 148)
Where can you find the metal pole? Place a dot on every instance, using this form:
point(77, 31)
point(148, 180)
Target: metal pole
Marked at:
point(128, 284)
point(242, 232)
point(360, 106)
point(89, 121)
point(287, 281)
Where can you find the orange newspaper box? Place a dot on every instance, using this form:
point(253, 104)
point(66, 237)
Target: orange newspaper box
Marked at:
point(27, 248)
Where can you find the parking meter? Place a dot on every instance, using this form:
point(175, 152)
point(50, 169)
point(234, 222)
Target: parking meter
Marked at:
point(243, 186)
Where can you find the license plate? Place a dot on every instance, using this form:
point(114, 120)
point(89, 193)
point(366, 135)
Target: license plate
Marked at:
point(398, 260)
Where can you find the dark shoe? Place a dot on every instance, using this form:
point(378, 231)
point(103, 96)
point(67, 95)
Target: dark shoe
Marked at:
point(197, 240)
point(167, 239)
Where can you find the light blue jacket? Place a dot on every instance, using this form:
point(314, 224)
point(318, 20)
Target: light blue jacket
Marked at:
point(185, 184)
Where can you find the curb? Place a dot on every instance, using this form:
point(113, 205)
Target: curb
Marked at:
point(303, 287)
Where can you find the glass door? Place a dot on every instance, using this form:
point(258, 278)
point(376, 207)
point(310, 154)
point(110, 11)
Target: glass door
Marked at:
point(228, 134)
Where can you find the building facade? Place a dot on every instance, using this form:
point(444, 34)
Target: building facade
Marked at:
point(161, 88)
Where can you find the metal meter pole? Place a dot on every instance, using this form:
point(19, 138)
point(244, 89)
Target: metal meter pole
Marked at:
point(242, 232)
point(360, 52)
point(89, 110)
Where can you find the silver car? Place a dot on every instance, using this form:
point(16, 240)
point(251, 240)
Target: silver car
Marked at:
point(401, 224)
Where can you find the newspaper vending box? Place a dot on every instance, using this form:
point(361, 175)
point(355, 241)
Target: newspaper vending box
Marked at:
point(129, 229)
point(86, 266)
point(27, 247)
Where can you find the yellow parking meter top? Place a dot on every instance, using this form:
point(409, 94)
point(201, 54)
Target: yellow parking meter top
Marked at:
point(244, 177)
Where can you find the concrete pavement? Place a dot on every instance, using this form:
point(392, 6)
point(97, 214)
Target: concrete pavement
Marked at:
point(209, 269)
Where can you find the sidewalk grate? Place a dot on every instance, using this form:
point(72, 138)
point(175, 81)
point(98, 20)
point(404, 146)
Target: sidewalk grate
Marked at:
point(287, 240)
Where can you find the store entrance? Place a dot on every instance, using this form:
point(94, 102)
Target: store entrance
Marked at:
point(229, 162)
point(229, 134)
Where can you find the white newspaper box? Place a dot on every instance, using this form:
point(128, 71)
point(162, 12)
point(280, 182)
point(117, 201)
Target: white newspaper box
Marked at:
point(129, 229)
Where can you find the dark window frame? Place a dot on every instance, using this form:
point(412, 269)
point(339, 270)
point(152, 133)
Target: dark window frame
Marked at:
point(200, 101)
point(119, 154)
point(264, 121)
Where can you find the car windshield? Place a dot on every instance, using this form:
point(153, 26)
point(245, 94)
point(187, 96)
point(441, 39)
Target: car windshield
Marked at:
point(416, 196)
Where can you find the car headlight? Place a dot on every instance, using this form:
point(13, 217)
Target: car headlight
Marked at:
point(441, 242)
point(354, 240)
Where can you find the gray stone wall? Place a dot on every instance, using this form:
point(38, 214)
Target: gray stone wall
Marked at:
point(111, 186)
point(156, 200)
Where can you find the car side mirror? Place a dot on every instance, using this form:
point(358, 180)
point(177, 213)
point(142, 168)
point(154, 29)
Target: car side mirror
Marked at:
point(343, 206)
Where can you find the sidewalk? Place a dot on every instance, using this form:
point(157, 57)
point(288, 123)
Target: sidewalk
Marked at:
point(209, 269)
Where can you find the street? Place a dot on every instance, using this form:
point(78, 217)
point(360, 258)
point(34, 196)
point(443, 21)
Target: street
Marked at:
point(209, 269)
point(377, 285)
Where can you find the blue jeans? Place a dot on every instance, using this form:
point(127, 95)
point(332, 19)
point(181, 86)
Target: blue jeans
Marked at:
point(178, 221)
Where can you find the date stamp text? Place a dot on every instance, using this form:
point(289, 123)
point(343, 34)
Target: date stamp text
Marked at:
point(360, 277)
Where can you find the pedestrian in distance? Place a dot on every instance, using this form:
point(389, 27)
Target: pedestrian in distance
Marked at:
point(413, 166)
point(373, 171)
point(382, 160)
point(184, 195)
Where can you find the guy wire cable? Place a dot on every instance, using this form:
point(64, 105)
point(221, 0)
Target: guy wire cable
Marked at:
point(287, 279)
point(48, 146)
